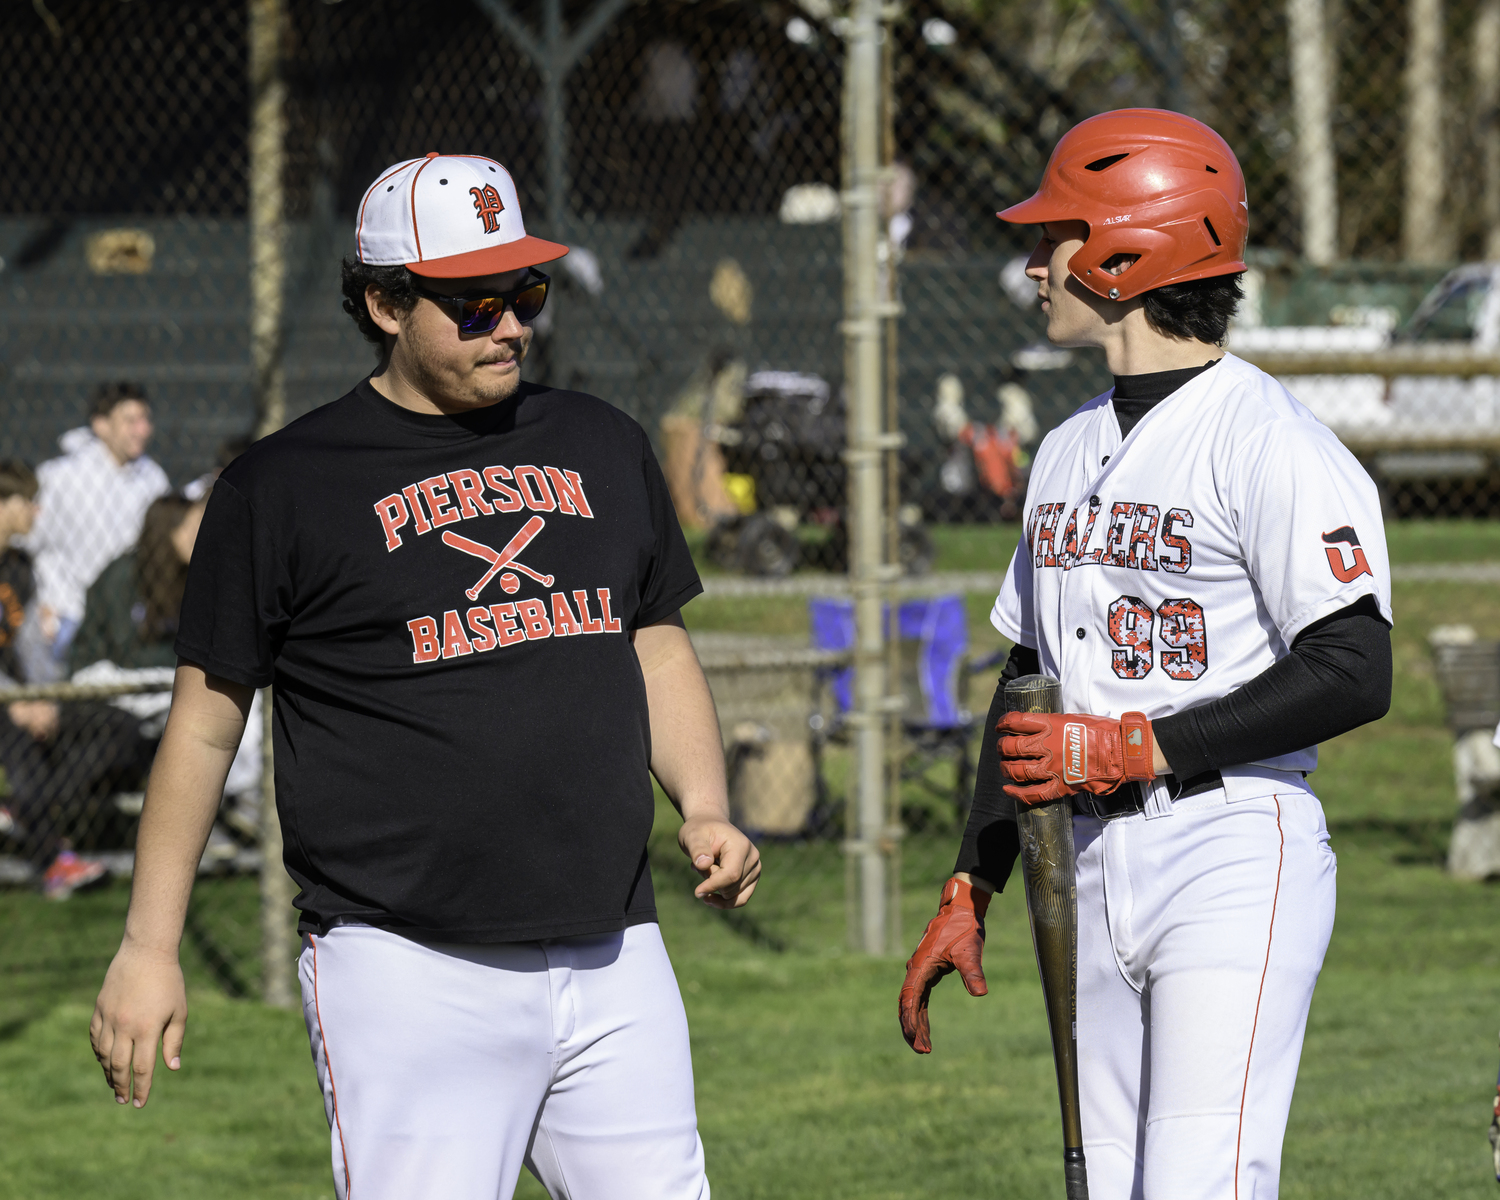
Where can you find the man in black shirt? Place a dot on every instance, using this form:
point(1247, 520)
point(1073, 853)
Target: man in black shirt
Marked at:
point(465, 589)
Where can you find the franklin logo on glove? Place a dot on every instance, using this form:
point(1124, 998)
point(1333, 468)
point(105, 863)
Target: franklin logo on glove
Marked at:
point(1054, 755)
point(1075, 737)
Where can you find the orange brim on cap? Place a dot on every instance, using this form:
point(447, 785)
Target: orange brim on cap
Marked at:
point(492, 260)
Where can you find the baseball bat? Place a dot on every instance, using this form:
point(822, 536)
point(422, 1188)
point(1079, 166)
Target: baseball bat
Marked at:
point(1052, 901)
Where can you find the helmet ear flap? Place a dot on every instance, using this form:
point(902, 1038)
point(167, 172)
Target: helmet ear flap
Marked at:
point(1150, 246)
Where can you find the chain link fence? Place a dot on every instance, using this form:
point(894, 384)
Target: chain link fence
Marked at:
point(694, 156)
point(786, 711)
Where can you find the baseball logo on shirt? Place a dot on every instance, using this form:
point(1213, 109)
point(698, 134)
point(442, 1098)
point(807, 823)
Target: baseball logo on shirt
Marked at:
point(1335, 543)
point(468, 494)
point(500, 559)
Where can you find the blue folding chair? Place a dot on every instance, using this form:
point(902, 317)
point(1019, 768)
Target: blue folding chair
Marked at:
point(934, 638)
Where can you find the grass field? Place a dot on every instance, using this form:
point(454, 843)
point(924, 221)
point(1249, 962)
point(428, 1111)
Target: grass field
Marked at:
point(805, 1087)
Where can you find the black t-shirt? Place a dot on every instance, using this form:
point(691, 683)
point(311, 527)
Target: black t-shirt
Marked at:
point(444, 607)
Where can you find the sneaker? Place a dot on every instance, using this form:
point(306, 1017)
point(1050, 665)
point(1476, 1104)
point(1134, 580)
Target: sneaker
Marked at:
point(68, 873)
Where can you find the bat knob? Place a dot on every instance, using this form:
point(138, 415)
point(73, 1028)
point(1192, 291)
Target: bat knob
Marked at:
point(472, 593)
point(546, 581)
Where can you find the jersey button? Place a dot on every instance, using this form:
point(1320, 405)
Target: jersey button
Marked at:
point(1104, 462)
point(1079, 634)
point(1093, 501)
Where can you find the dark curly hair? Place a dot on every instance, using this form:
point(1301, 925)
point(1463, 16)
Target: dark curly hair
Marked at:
point(394, 282)
point(107, 396)
point(1200, 308)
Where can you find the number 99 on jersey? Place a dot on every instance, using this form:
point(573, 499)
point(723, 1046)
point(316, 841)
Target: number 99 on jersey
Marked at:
point(1133, 628)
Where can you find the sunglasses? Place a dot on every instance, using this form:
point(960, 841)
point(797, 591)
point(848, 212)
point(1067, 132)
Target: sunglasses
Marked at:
point(481, 314)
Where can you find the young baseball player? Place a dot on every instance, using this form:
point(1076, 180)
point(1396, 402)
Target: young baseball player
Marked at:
point(465, 590)
point(1205, 571)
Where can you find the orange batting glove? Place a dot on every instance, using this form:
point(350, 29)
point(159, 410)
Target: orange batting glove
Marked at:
point(953, 941)
point(1052, 755)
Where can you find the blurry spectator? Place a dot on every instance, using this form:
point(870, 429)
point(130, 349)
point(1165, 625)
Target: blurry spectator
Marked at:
point(92, 500)
point(129, 625)
point(130, 618)
point(898, 193)
point(64, 760)
point(986, 465)
point(666, 107)
point(61, 762)
point(999, 457)
point(951, 419)
point(18, 488)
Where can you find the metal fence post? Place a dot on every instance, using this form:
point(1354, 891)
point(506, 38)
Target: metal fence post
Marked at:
point(863, 311)
point(1312, 110)
point(895, 732)
point(267, 212)
point(267, 344)
point(1486, 58)
point(1423, 232)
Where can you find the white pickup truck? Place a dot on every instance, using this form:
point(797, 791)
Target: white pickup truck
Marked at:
point(1422, 401)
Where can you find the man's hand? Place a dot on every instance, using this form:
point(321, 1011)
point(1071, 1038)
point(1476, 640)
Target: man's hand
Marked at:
point(1047, 756)
point(687, 758)
point(728, 861)
point(953, 941)
point(36, 717)
point(142, 1004)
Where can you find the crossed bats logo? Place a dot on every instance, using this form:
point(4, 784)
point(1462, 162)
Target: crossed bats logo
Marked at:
point(487, 206)
point(1335, 542)
point(502, 562)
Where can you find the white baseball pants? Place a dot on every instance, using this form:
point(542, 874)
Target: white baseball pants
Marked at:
point(445, 1068)
point(1202, 928)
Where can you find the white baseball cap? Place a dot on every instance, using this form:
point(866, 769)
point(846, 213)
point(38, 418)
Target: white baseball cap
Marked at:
point(447, 216)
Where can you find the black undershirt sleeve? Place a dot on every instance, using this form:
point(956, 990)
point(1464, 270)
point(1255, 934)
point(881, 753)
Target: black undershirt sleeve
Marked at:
point(1336, 678)
point(991, 842)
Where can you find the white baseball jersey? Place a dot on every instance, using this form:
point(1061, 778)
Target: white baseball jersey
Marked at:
point(1166, 570)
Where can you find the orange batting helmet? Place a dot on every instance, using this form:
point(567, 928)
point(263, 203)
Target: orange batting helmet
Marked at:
point(1149, 183)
